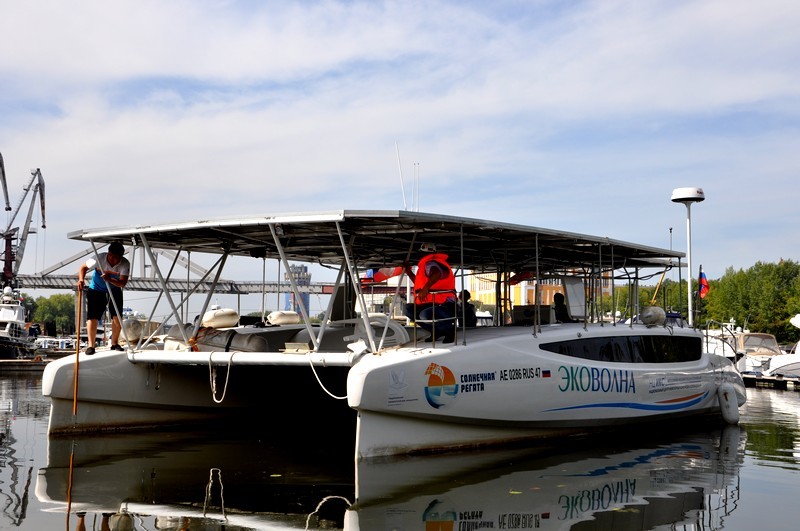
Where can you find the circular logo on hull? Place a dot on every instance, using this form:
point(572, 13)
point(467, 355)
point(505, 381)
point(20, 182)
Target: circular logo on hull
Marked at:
point(442, 387)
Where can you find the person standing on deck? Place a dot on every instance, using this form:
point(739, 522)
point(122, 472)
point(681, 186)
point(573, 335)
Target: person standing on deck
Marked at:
point(110, 275)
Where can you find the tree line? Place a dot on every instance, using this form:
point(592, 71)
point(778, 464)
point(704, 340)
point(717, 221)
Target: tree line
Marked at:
point(762, 298)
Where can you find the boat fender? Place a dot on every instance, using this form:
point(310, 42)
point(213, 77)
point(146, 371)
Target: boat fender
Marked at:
point(133, 329)
point(220, 318)
point(653, 316)
point(728, 404)
point(283, 317)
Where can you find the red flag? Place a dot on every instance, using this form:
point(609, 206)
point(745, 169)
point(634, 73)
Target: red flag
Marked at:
point(382, 274)
point(704, 287)
point(520, 277)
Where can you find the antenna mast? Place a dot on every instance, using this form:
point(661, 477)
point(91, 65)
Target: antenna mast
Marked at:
point(400, 169)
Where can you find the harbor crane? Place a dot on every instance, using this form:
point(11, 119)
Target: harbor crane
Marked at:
point(15, 241)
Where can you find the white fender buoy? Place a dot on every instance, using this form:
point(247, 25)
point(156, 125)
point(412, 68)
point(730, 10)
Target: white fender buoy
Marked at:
point(281, 317)
point(728, 404)
point(653, 316)
point(133, 329)
point(220, 318)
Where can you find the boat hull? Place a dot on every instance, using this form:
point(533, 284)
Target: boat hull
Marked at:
point(115, 394)
point(784, 365)
point(495, 392)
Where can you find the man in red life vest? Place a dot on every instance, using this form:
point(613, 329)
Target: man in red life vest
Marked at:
point(434, 295)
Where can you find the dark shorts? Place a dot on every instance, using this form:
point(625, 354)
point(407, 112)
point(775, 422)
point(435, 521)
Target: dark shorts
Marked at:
point(97, 301)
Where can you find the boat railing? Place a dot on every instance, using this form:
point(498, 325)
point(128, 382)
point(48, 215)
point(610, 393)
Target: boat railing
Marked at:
point(434, 320)
point(722, 334)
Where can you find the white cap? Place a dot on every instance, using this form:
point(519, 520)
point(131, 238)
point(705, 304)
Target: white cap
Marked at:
point(428, 248)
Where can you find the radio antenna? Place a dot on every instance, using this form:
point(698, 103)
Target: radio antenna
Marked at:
point(416, 185)
point(400, 169)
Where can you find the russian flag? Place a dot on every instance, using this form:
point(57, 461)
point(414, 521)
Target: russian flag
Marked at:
point(704, 287)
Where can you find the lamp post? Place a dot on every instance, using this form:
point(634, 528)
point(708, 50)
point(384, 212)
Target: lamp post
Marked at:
point(687, 196)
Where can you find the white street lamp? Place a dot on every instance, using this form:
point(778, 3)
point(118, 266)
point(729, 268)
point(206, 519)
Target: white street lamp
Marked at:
point(687, 196)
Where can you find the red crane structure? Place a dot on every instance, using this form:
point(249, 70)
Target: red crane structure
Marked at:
point(15, 240)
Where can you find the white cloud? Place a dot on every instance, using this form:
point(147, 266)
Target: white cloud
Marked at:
point(580, 116)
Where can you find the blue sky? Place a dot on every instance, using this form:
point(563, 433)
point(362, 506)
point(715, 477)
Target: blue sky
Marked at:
point(580, 115)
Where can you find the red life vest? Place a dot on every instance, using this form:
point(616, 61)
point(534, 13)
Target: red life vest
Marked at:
point(447, 283)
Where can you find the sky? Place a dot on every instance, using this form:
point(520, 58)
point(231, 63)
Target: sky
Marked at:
point(574, 115)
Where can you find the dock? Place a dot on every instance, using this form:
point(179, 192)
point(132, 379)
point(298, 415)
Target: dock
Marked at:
point(23, 365)
point(771, 382)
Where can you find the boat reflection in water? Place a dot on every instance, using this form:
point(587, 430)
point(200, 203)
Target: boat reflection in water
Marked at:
point(197, 481)
point(601, 488)
point(189, 480)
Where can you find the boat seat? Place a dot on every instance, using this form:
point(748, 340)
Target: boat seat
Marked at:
point(396, 334)
point(271, 339)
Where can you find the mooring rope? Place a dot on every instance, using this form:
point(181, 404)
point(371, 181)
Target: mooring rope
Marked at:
point(321, 385)
point(212, 376)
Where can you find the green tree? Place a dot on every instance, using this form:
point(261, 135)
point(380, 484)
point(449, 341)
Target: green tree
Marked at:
point(762, 298)
point(29, 303)
point(58, 309)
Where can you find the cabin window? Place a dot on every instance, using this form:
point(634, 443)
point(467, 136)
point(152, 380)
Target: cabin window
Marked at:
point(631, 349)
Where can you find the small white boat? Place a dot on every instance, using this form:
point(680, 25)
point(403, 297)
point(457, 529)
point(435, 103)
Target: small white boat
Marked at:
point(14, 340)
point(757, 350)
point(788, 364)
point(494, 385)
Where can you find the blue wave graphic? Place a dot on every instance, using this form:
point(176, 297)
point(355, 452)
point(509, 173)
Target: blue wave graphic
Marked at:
point(636, 405)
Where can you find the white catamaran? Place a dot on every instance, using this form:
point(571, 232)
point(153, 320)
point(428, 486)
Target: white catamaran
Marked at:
point(494, 385)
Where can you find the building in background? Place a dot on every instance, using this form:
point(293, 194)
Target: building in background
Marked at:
point(303, 279)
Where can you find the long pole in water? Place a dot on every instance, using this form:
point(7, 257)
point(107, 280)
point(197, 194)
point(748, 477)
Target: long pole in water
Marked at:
point(77, 352)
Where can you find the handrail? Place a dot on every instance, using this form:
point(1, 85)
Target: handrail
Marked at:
point(434, 320)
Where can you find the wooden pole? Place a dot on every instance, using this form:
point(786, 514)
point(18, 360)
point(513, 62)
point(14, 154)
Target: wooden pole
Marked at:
point(77, 353)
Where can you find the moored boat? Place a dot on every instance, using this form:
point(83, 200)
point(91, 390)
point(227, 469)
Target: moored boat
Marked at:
point(751, 352)
point(788, 364)
point(14, 340)
point(402, 395)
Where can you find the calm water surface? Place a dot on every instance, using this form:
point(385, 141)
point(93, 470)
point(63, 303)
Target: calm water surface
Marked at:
point(737, 478)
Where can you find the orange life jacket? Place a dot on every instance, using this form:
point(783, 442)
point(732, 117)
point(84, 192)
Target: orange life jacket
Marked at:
point(447, 283)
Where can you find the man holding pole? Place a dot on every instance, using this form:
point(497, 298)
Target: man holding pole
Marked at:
point(110, 274)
